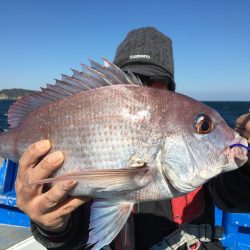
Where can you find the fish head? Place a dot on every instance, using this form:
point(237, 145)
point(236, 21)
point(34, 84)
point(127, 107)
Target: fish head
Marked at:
point(197, 145)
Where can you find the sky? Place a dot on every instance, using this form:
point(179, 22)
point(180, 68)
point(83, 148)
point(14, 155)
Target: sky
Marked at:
point(40, 40)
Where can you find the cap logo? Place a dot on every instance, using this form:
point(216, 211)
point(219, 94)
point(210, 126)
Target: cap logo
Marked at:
point(139, 56)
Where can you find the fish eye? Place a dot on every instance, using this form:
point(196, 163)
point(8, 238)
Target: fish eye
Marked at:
point(203, 124)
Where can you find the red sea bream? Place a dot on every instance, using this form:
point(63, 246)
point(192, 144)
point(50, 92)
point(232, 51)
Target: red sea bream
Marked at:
point(123, 142)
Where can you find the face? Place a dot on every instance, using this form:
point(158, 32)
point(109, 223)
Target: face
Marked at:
point(198, 144)
point(156, 83)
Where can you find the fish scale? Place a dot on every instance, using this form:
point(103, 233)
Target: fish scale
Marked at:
point(87, 129)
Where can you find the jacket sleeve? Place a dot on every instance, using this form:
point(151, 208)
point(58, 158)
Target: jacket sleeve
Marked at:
point(75, 235)
point(230, 190)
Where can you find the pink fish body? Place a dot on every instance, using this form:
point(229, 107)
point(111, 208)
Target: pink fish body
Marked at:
point(123, 142)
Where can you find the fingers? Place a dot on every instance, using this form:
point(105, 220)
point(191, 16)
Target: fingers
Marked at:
point(242, 126)
point(43, 169)
point(47, 166)
point(54, 223)
point(55, 207)
point(56, 195)
point(31, 156)
point(50, 209)
point(68, 206)
point(57, 219)
point(242, 121)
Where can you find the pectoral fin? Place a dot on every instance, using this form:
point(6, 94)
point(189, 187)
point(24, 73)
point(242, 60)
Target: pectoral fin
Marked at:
point(106, 179)
point(106, 221)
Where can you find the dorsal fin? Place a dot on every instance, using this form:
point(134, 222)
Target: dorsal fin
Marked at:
point(94, 76)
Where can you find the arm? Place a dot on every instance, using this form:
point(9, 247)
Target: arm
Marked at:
point(231, 190)
point(53, 213)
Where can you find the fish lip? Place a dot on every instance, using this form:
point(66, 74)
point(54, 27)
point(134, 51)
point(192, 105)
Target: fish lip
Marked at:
point(237, 155)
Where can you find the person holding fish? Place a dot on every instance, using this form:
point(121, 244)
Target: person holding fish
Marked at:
point(141, 151)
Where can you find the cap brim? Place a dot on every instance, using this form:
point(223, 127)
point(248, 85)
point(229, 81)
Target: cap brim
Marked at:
point(141, 70)
point(150, 71)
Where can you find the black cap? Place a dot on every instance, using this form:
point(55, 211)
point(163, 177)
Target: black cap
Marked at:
point(147, 52)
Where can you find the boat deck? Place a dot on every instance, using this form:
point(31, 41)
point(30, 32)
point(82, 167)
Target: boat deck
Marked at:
point(15, 238)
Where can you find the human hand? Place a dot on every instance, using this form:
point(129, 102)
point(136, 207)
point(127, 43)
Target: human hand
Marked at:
point(242, 126)
point(50, 209)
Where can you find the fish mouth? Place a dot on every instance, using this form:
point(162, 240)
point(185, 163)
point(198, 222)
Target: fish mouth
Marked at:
point(237, 155)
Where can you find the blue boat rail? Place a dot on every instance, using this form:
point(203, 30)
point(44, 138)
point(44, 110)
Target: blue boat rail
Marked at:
point(236, 229)
point(9, 213)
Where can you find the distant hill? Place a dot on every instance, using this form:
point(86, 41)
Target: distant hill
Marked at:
point(13, 94)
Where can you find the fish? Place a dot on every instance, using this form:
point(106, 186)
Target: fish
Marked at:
point(122, 142)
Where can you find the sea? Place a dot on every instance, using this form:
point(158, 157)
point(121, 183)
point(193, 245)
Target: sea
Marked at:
point(229, 110)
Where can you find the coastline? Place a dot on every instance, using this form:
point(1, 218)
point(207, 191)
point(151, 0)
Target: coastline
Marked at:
point(14, 94)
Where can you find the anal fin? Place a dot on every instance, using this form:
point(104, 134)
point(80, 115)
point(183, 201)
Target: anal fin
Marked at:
point(106, 221)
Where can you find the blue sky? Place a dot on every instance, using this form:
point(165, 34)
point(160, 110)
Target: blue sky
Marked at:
point(39, 40)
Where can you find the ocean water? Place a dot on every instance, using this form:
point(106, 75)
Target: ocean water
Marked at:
point(230, 111)
point(4, 106)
